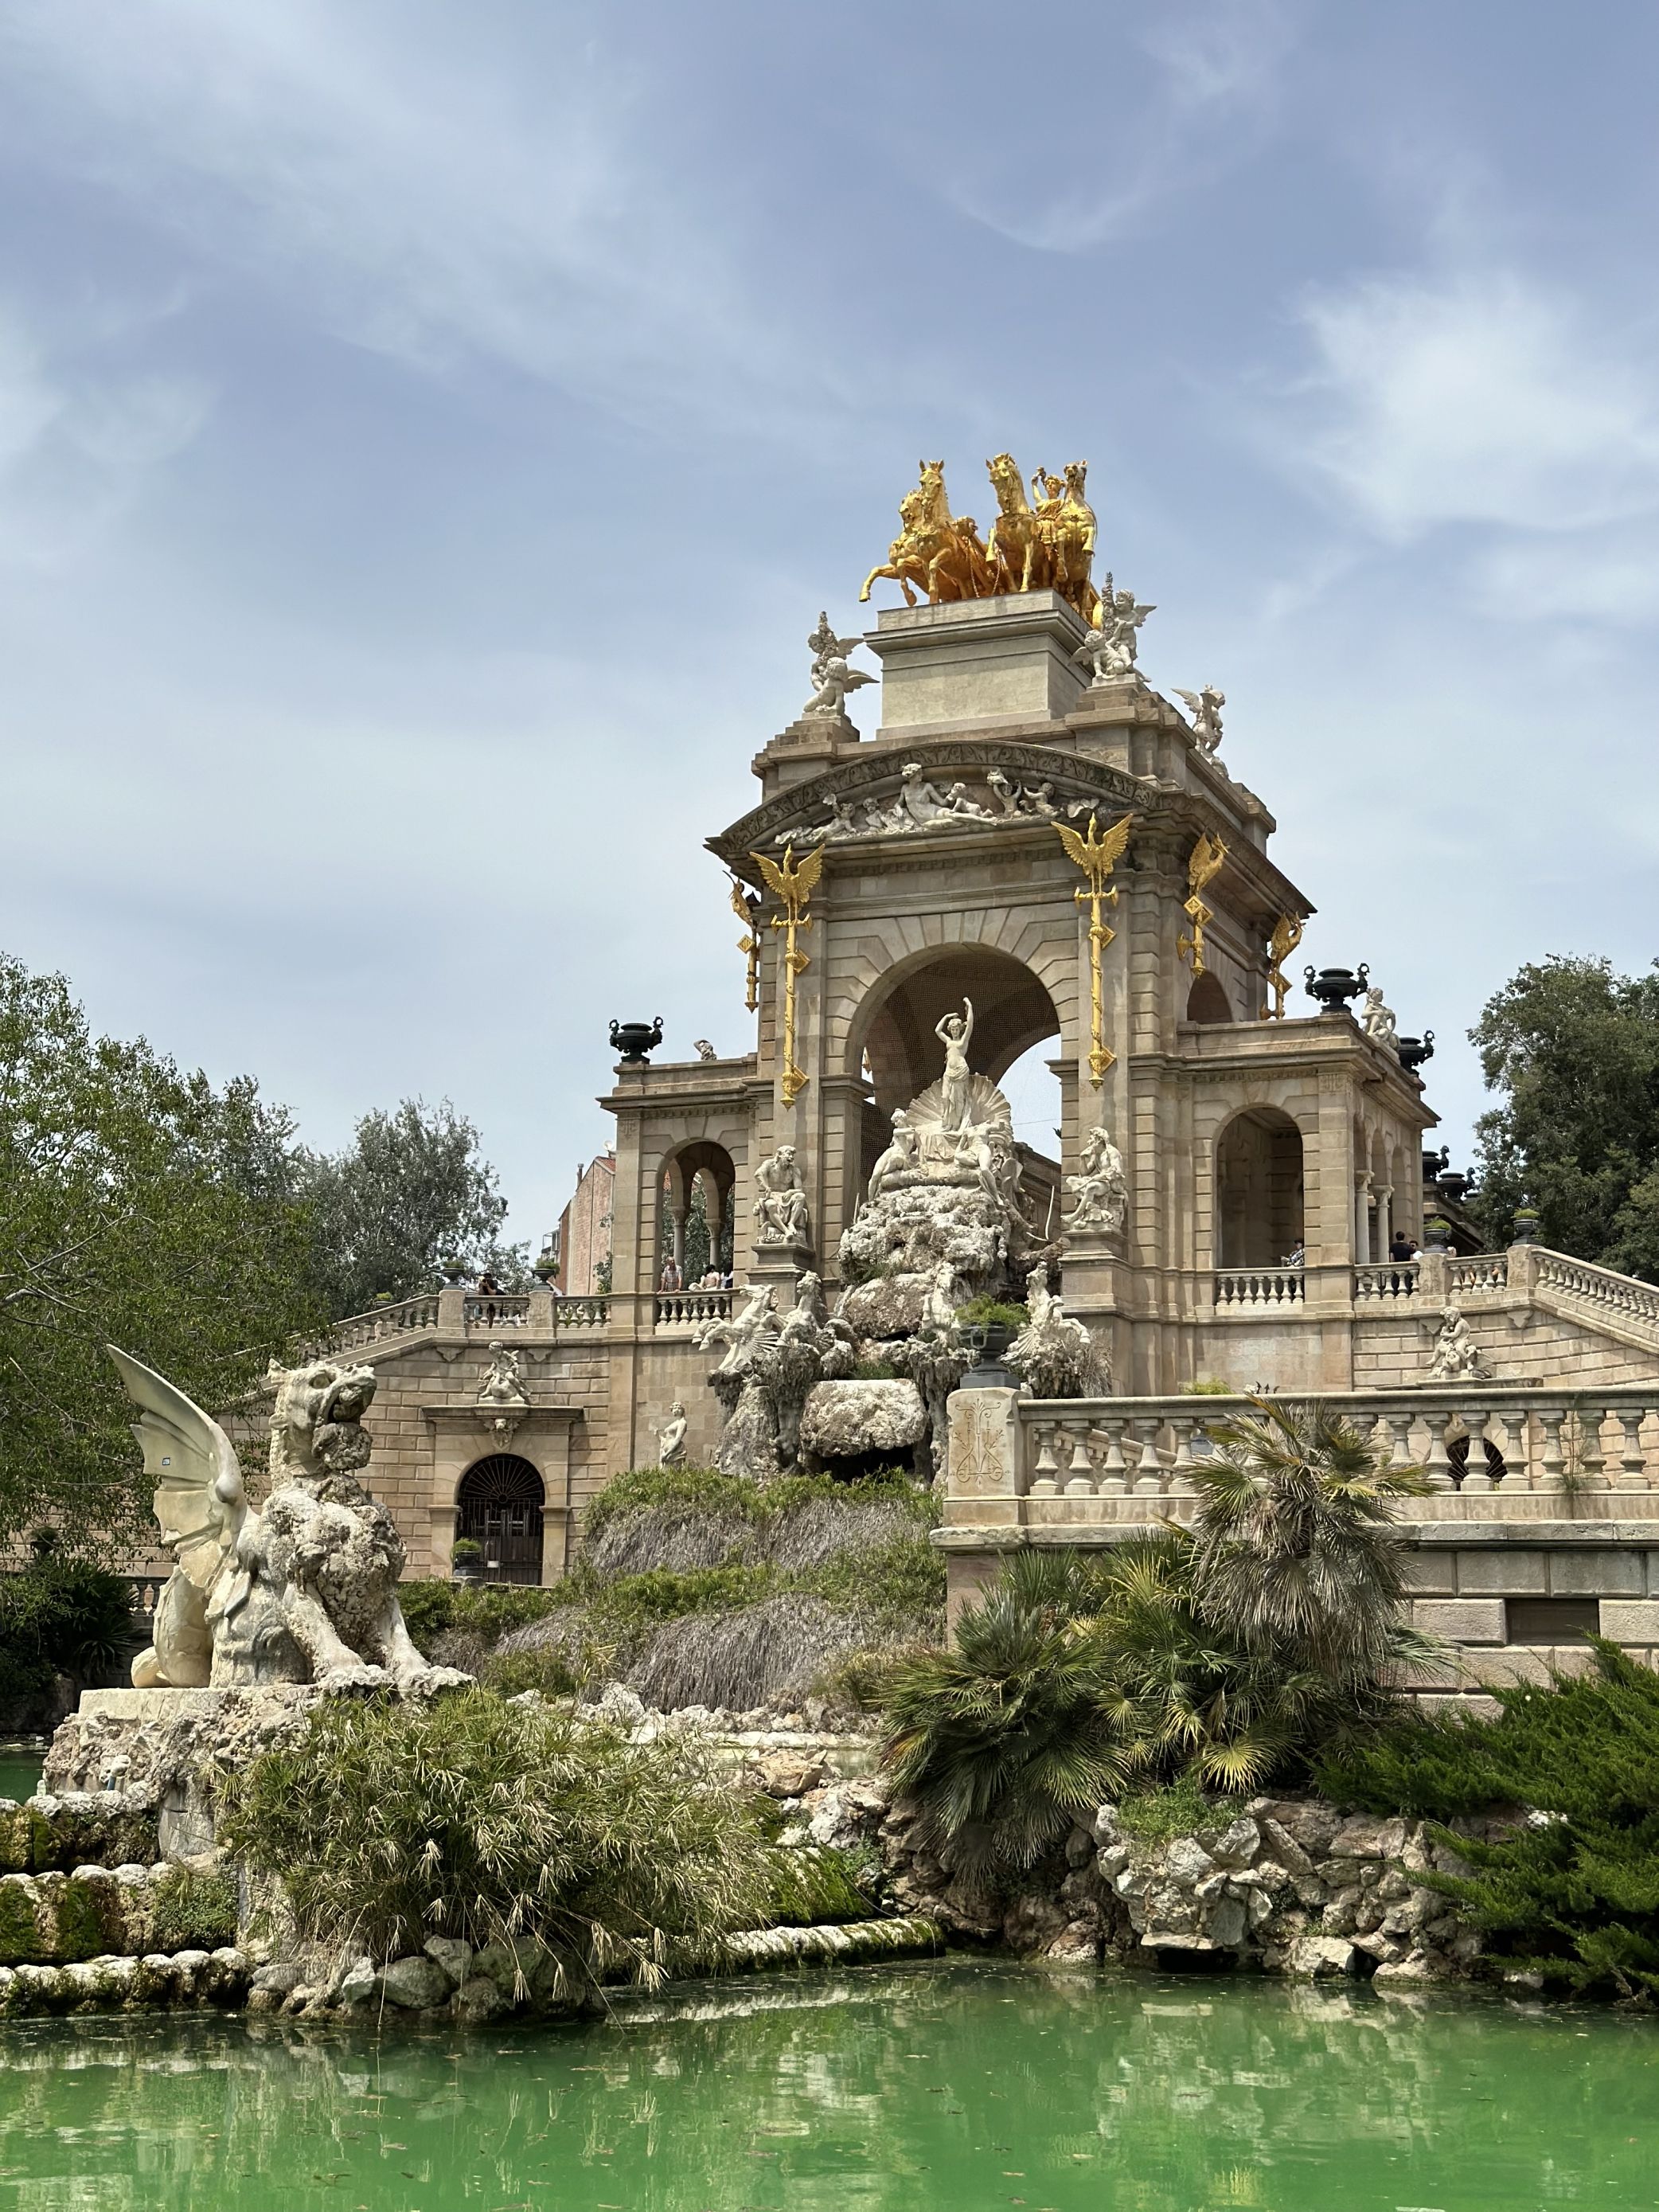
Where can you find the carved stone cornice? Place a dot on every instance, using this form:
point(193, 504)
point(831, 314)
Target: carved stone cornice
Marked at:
point(1074, 775)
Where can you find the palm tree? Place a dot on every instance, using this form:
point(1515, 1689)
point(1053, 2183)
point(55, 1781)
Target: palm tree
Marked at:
point(1004, 1737)
point(1294, 1548)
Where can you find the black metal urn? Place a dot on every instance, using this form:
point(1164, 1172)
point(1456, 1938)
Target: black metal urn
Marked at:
point(1454, 1186)
point(634, 1040)
point(1414, 1051)
point(1334, 987)
point(987, 1341)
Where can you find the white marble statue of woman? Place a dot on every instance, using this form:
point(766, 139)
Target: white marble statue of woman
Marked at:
point(955, 1094)
point(671, 1438)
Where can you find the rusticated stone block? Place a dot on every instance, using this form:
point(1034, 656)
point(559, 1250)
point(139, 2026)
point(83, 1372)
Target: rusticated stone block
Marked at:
point(1464, 1620)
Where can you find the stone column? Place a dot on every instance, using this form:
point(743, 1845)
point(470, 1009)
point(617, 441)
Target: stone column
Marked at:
point(1385, 1220)
point(1362, 1218)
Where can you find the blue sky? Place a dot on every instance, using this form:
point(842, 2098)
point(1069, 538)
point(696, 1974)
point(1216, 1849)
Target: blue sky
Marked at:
point(428, 433)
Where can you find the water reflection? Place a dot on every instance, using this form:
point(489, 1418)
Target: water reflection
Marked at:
point(943, 2084)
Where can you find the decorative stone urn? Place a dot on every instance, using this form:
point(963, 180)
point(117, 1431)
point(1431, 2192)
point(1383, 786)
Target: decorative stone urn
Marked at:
point(1525, 1230)
point(634, 1041)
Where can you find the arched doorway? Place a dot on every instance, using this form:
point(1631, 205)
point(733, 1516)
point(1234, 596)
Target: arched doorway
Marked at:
point(1258, 1189)
point(498, 1504)
point(895, 1046)
point(1207, 1001)
point(694, 1214)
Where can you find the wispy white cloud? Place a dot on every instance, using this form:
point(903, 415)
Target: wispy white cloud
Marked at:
point(78, 439)
point(1477, 397)
point(416, 202)
point(1194, 88)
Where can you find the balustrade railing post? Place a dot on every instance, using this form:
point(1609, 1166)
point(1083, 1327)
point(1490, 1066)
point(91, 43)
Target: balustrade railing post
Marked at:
point(1080, 1475)
point(1477, 1476)
point(1149, 1474)
point(1114, 1468)
point(1437, 1460)
point(1632, 1460)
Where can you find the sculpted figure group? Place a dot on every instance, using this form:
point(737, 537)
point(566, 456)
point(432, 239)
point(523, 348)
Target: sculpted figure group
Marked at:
point(1043, 543)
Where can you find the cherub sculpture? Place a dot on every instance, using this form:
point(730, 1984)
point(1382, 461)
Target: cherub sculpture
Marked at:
point(1456, 1355)
point(304, 1590)
point(1112, 645)
point(832, 678)
point(1206, 705)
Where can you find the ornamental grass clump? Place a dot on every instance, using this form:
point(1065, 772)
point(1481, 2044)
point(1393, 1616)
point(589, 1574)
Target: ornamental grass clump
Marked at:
point(590, 1857)
point(1230, 1654)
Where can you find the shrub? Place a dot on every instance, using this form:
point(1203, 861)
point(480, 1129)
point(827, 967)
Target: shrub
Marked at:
point(900, 1582)
point(193, 1910)
point(588, 1856)
point(984, 1313)
point(60, 1616)
point(1572, 1893)
point(490, 1609)
point(546, 1670)
point(1155, 1817)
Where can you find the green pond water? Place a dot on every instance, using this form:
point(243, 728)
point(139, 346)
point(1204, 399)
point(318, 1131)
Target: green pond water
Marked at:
point(20, 1770)
point(947, 2085)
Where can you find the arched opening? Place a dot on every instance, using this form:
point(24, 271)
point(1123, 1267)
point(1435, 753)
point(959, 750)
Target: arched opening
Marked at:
point(1207, 1001)
point(498, 1504)
point(894, 1042)
point(694, 1216)
point(1258, 1189)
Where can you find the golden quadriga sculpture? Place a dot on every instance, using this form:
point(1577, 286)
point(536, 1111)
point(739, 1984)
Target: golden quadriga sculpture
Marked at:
point(1045, 543)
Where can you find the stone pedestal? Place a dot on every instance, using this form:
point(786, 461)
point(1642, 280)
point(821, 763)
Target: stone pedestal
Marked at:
point(977, 663)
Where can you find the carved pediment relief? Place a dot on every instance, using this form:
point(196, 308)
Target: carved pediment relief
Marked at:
point(955, 785)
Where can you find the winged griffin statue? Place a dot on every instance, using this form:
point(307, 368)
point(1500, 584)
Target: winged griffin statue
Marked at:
point(304, 1590)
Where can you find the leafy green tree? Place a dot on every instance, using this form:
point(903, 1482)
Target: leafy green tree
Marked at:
point(409, 1194)
point(60, 1616)
point(138, 1205)
point(1573, 1050)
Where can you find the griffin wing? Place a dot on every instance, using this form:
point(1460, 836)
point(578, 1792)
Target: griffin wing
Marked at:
point(189, 1454)
point(740, 903)
point(1194, 700)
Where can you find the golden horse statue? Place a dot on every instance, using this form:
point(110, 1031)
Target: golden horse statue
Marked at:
point(941, 552)
point(1048, 546)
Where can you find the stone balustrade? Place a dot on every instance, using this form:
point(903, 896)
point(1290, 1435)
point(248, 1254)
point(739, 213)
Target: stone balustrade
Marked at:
point(1237, 1288)
point(1618, 1296)
point(1476, 1272)
point(691, 1308)
point(1386, 1278)
point(381, 1322)
point(468, 1313)
point(1490, 1451)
